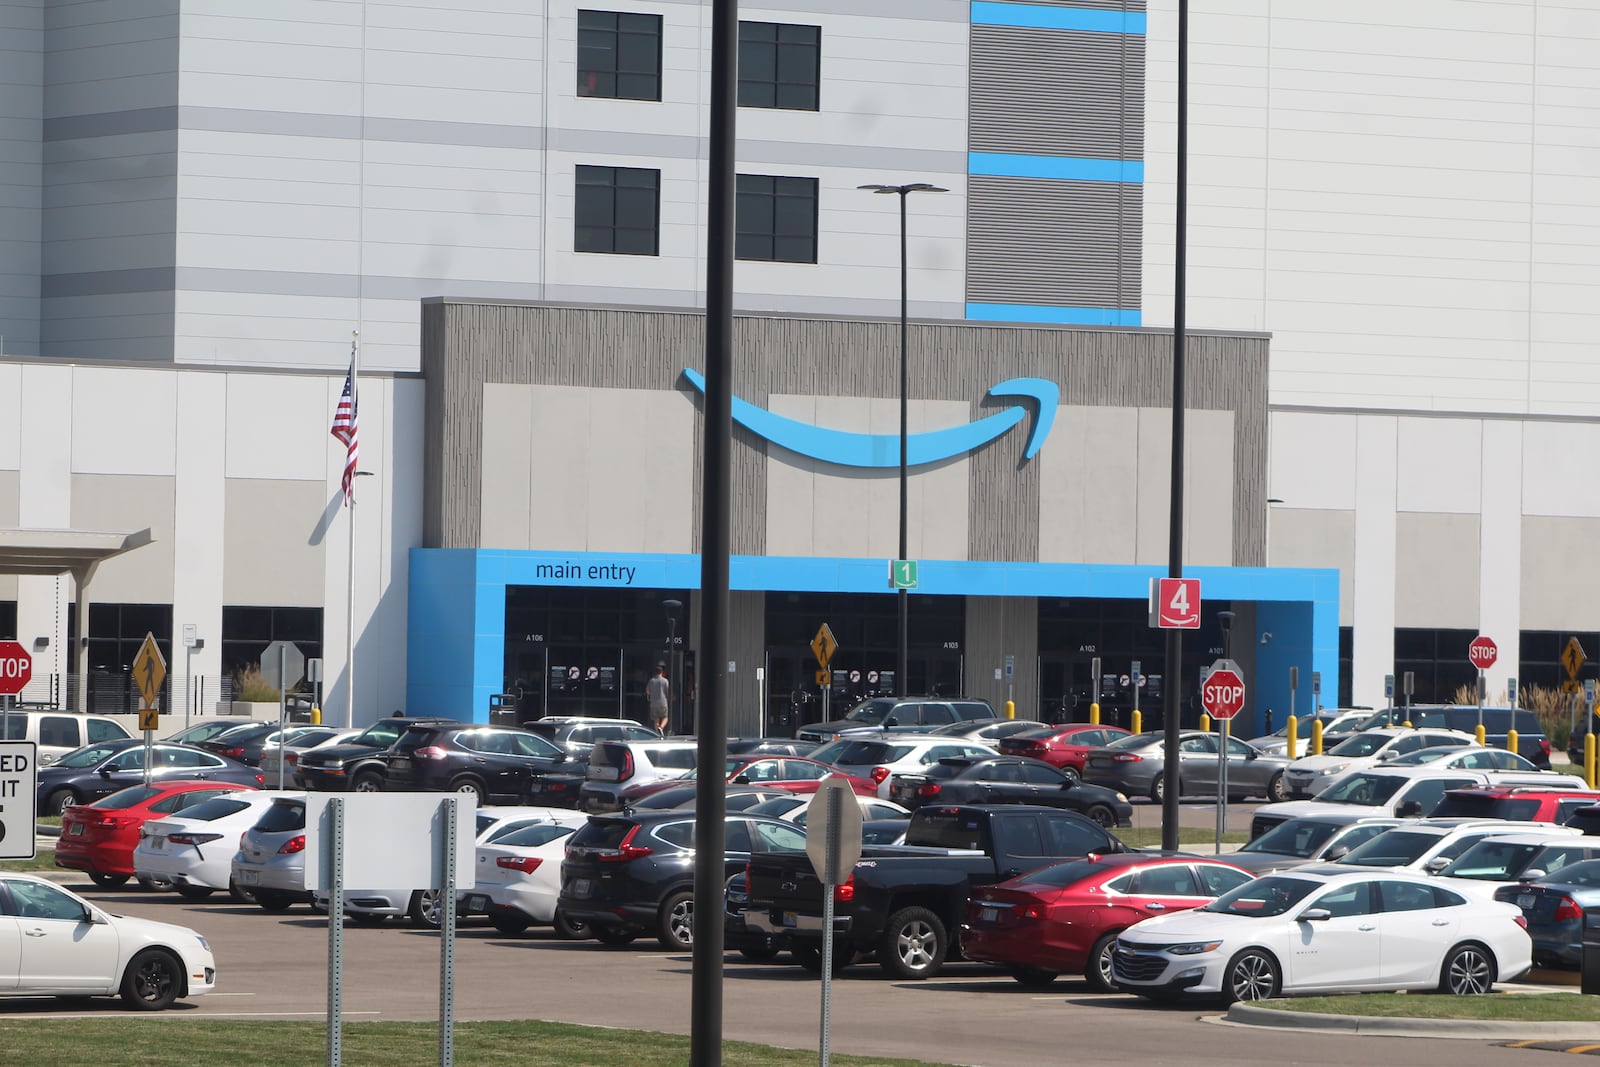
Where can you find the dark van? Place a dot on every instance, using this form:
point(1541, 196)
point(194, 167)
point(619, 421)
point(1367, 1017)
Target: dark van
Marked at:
point(1532, 744)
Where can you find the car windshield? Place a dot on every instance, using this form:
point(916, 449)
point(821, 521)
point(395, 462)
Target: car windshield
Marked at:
point(777, 807)
point(215, 808)
point(1064, 874)
point(1494, 860)
point(1136, 740)
point(1264, 897)
point(1296, 837)
point(88, 756)
point(381, 734)
point(1393, 848)
point(1369, 790)
point(871, 712)
point(1423, 755)
point(130, 797)
point(845, 750)
point(1586, 873)
point(1362, 744)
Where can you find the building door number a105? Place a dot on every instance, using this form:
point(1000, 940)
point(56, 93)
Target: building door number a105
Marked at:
point(1175, 603)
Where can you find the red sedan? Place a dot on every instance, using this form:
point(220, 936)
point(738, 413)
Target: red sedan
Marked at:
point(1063, 747)
point(1065, 918)
point(99, 838)
point(792, 774)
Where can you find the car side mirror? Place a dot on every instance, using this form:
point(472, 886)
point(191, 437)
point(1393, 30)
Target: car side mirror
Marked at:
point(1385, 756)
point(1411, 809)
point(1435, 865)
point(105, 772)
point(891, 721)
point(743, 779)
point(1337, 852)
point(1315, 915)
point(1532, 873)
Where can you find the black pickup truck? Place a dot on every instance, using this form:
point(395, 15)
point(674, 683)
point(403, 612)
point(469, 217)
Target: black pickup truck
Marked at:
point(904, 902)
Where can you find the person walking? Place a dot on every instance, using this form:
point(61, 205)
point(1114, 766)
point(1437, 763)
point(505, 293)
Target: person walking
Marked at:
point(657, 692)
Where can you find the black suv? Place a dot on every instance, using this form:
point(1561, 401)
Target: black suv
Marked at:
point(633, 874)
point(912, 714)
point(489, 762)
point(358, 764)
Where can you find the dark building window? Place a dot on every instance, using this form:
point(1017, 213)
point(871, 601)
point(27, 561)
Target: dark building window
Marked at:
point(1437, 660)
point(619, 55)
point(777, 219)
point(618, 210)
point(779, 65)
point(246, 633)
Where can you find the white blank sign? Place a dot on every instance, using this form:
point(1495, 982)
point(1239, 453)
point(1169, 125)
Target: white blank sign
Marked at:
point(391, 840)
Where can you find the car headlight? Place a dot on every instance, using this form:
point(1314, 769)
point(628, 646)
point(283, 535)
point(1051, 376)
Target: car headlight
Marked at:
point(1332, 770)
point(1122, 797)
point(203, 942)
point(1194, 948)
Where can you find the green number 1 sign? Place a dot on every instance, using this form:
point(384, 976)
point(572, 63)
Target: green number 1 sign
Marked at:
point(902, 574)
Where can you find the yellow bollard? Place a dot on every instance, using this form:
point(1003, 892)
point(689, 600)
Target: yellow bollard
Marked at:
point(1011, 709)
point(1511, 740)
point(1292, 729)
point(1588, 759)
point(1136, 722)
point(1316, 737)
point(1094, 714)
point(1205, 723)
point(316, 715)
point(1479, 733)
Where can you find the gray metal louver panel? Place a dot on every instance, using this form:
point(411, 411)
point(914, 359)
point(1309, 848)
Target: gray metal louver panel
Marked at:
point(1056, 92)
point(1098, 5)
point(1040, 241)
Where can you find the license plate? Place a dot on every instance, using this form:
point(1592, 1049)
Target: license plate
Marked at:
point(580, 887)
point(156, 843)
point(76, 830)
point(1525, 900)
point(987, 915)
point(477, 902)
point(249, 877)
point(791, 919)
point(400, 762)
point(603, 774)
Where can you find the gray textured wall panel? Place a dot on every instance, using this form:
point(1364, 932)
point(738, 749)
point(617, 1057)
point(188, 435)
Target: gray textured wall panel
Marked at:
point(1057, 92)
point(1044, 241)
point(998, 627)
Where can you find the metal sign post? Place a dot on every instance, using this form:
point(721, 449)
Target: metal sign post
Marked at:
point(283, 714)
point(833, 841)
point(333, 863)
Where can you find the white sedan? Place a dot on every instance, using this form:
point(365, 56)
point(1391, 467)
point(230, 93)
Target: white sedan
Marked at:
point(59, 944)
point(194, 851)
point(1326, 933)
point(518, 879)
point(796, 808)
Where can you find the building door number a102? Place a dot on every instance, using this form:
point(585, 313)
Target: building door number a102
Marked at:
point(1175, 603)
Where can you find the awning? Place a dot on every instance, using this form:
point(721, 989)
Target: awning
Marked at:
point(51, 552)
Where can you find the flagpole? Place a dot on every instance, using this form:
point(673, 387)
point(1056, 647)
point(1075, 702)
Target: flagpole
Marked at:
point(350, 570)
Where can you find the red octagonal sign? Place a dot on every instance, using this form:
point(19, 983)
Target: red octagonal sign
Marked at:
point(1483, 652)
point(16, 668)
point(1222, 694)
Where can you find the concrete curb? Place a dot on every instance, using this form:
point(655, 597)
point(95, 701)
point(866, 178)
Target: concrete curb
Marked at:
point(1470, 1029)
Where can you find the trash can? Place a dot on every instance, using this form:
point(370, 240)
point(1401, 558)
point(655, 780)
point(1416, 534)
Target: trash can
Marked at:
point(503, 709)
point(1591, 951)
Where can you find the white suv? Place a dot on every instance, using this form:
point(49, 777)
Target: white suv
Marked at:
point(1309, 775)
point(616, 765)
point(880, 757)
point(1427, 847)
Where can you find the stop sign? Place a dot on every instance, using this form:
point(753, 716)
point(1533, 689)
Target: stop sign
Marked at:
point(1222, 694)
point(1482, 652)
point(16, 668)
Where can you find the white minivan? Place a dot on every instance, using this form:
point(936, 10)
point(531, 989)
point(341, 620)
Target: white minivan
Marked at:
point(59, 732)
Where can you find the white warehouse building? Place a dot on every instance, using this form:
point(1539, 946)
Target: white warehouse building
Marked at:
point(198, 205)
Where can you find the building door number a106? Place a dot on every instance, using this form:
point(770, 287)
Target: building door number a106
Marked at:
point(1175, 603)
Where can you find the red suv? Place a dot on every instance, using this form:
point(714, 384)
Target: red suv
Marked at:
point(99, 838)
point(1516, 803)
point(1063, 747)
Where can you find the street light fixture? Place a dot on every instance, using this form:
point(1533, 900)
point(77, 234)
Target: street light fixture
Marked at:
point(902, 669)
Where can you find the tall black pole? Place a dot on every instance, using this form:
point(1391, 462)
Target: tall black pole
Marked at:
point(1173, 683)
point(903, 664)
point(711, 802)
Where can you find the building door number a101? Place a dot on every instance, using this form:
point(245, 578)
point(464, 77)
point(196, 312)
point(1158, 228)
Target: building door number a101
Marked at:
point(1175, 603)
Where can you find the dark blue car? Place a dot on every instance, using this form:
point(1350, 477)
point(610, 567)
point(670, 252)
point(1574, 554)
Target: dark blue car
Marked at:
point(86, 774)
point(1553, 906)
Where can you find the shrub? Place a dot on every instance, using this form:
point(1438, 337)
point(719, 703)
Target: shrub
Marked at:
point(1551, 705)
point(249, 685)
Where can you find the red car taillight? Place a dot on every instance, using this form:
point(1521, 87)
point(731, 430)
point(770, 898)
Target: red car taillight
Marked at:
point(1520, 920)
point(1030, 911)
point(429, 752)
point(261, 779)
point(879, 774)
point(626, 850)
point(1567, 910)
point(626, 770)
point(525, 864)
point(845, 891)
point(291, 758)
point(1544, 745)
point(191, 839)
point(1127, 757)
point(929, 789)
point(294, 844)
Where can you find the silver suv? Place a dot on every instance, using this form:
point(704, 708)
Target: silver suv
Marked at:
point(616, 765)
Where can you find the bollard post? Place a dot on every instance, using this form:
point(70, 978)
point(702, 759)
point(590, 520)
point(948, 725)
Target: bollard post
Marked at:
point(1588, 759)
point(1316, 737)
point(1136, 723)
point(1480, 733)
point(1094, 713)
point(1292, 727)
point(1511, 740)
point(1205, 723)
point(1011, 709)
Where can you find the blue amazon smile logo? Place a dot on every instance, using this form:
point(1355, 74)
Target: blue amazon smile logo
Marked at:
point(848, 449)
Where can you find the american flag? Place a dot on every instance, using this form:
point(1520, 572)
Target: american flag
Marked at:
point(344, 428)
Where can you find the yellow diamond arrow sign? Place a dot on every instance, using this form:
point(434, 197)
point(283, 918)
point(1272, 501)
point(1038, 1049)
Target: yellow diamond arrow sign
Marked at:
point(823, 645)
point(1572, 657)
point(149, 671)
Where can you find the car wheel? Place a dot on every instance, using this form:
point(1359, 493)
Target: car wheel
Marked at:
point(108, 881)
point(1103, 816)
point(470, 787)
point(1277, 788)
point(1158, 788)
point(509, 922)
point(913, 944)
point(368, 782)
point(1071, 775)
point(58, 800)
point(239, 893)
point(1032, 977)
point(675, 922)
point(809, 957)
point(195, 892)
point(613, 935)
point(152, 981)
point(153, 885)
point(1097, 970)
point(762, 954)
point(426, 909)
point(1468, 971)
point(365, 918)
point(1251, 975)
point(273, 900)
point(570, 928)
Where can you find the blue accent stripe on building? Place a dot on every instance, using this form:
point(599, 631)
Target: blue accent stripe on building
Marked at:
point(1062, 168)
point(1046, 313)
point(1039, 16)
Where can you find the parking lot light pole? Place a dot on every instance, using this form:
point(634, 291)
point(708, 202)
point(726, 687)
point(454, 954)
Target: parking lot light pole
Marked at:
point(902, 668)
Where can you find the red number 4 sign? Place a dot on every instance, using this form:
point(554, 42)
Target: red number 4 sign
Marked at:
point(1175, 603)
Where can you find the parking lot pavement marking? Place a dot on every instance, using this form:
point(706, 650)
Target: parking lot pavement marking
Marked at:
point(1538, 1044)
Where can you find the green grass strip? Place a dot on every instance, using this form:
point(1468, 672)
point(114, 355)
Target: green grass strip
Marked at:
point(1507, 1007)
